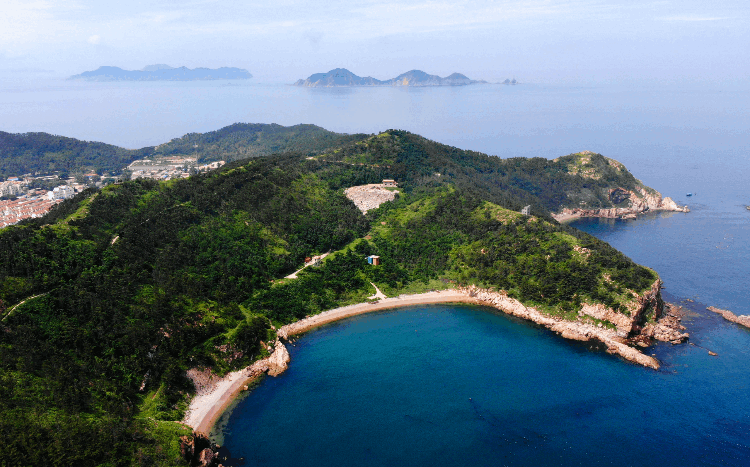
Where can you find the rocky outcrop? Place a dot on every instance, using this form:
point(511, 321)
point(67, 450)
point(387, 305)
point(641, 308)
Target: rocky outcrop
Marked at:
point(743, 320)
point(576, 330)
point(640, 201)
point(367, 197)
point(199, 451)
point(278, 362)
point(650, 304)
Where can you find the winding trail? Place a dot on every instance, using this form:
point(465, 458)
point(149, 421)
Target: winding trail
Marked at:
point(13, 308)
point(294, 274)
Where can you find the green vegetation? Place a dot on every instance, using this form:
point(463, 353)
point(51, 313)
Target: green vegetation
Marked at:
point(44, 153)
point(245, 141)
point(136, 283)
point(574, 181)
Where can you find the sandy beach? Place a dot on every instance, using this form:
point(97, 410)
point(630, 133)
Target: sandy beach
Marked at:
point(304, 325)
point(563, 218)
point(211, 401)
point(207, 405)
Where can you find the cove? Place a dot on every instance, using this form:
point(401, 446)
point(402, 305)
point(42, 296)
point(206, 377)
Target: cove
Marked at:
point(465, 385)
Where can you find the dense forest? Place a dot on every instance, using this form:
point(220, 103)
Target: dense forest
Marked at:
point(111, 297)
point(548, 185)
point(577, 180)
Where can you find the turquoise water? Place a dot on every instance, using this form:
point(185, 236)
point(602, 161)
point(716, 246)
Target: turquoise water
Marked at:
point(462, 385)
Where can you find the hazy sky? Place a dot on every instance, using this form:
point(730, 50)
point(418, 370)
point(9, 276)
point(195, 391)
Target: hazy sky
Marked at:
point(535, 41)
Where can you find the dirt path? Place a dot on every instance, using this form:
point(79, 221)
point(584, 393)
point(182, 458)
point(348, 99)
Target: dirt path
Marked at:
point(13, 308)
point(294, 274)
point(378, 294)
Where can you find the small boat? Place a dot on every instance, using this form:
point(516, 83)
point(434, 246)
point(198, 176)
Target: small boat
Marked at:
point(689, 194)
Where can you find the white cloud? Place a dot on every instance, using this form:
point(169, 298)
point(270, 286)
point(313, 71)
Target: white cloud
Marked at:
point(96, 39)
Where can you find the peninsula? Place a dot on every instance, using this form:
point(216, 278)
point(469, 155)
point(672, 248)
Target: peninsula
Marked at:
point(161, 72)
point(621, 196)
point(343, 77)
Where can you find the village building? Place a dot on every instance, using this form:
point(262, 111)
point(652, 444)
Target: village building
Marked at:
point(389, 182)
point(374, 260)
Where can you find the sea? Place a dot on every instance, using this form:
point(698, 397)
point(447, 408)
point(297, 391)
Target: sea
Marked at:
point(463, 385)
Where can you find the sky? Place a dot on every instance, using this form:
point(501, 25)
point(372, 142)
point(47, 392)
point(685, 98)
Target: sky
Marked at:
point(536, 41)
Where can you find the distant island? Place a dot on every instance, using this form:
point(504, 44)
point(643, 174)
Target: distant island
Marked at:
point(343, 77)
point(161, 72)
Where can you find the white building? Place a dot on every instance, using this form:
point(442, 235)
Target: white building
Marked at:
point(61, 192)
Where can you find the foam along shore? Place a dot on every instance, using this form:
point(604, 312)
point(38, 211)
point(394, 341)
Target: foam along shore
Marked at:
point(209, 403)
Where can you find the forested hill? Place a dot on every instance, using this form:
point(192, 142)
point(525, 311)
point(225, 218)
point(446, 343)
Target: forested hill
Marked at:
point(107, 301)
point(578, 180)
point(248, 140)
point(46, 154)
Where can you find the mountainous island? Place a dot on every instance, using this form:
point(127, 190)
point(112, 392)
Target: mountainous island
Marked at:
point(344, 77)
point(161, 72)
point(122, 303)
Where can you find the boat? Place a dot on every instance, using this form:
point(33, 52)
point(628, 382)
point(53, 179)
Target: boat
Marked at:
point(689, 194)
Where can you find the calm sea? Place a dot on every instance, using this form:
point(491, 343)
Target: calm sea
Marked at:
point(463, 386)
point(459, 385)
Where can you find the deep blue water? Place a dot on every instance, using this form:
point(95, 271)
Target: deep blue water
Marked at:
point(394, 388)
point(462, 385)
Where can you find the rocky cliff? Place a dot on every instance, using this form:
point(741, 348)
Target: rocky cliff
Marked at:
point(638, 201)
point(199, 451)
point(643, 323)
point(610, 190)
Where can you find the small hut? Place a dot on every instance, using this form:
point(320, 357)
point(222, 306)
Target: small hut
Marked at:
point(389, 182)
point(374, 260)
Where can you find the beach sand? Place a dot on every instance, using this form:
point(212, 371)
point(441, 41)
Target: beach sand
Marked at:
point(564, 218)
point(212, 400)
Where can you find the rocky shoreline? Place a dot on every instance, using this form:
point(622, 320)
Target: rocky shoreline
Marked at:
point(629, 329)
point(627, 333)
point(742, 320)
point(640, 202)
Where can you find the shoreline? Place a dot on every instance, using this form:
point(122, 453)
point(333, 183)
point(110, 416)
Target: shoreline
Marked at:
point(570, 215)
point(207, 406)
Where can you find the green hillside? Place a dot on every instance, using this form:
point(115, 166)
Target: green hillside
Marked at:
point(578, 180)
point(45, 154)
point(112, 296)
